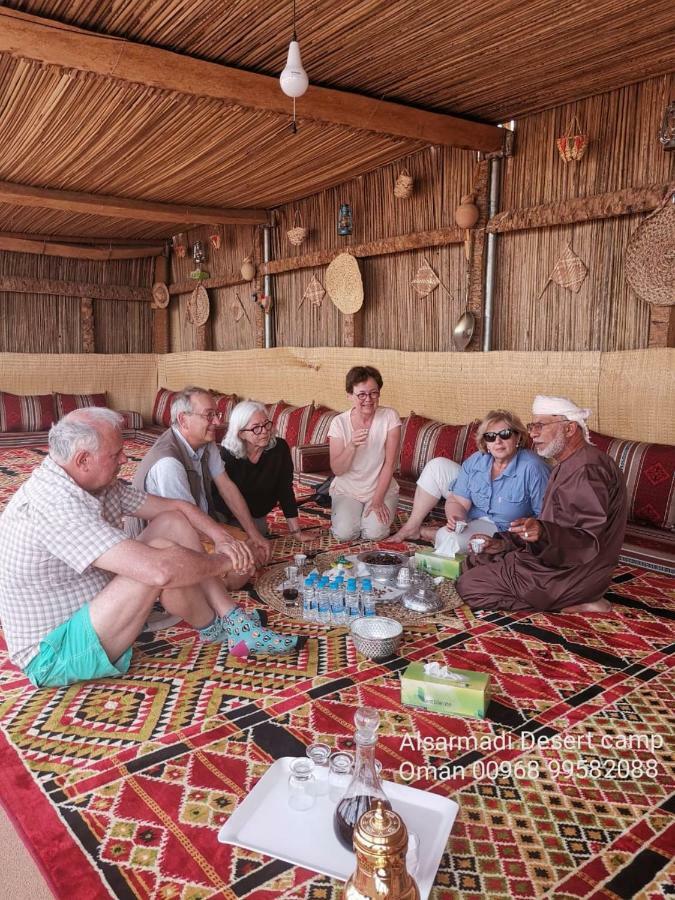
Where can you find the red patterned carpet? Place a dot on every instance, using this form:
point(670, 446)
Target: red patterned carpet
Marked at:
point(119, 787)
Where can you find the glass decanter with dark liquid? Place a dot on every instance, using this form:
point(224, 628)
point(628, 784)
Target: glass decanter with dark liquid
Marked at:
point(365, 788)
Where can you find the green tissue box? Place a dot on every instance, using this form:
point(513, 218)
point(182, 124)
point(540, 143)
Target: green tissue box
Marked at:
point(442, 696)
point(434, 564)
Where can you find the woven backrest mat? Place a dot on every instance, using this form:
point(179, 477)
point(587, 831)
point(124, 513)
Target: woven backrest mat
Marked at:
point(637, 395)
point(130, 381)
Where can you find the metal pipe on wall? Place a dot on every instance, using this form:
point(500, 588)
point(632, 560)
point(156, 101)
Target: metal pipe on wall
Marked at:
point(268, 287)
point(491, 254)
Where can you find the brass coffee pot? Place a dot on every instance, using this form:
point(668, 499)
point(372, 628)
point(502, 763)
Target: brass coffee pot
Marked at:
point(381, 842)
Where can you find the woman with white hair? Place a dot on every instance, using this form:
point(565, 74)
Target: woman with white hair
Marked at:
point(260, 465)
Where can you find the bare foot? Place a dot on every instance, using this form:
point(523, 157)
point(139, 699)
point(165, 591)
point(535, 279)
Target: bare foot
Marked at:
point(403, 534)
point(596, 606)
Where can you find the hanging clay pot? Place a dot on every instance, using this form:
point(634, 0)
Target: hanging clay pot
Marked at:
point(467, 213)
point(247, 269)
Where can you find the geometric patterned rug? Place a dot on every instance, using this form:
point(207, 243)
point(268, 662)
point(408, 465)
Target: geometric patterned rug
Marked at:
point(566, 789)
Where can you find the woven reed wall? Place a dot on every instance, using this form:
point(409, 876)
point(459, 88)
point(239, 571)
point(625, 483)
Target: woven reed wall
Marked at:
point(130, 380)
point(226, 334)
point(605, 314)
point(40, 323)
point(451, 387)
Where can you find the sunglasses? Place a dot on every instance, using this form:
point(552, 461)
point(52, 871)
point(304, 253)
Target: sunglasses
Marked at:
point(258, 429)
point(491, 436)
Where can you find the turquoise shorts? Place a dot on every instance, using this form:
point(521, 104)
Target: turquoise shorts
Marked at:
point(72, 652)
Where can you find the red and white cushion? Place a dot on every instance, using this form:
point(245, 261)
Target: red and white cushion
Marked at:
point(318, 424)
point(290, 422)
point(161, 410)
point(31, 412)
point(66, 403)
point(649, 470)
point(423, 439)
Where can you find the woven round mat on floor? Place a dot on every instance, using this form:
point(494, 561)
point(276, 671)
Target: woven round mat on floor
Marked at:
point(268, 582)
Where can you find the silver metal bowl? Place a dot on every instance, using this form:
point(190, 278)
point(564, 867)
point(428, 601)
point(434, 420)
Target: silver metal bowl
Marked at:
point(376, 637)
point(380, 571)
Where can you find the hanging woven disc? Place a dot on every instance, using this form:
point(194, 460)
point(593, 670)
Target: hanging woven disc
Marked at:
point(198, 306)
point(569, 271)
point(314, 292)
point(344, 284)
point(425, 280)
point(650, 257)
point(160, 295)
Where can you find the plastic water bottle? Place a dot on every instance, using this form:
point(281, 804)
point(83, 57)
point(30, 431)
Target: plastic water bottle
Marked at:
point(367, 597)
point(308, 600)
point(336, 603)
point(352, 599)
point(323, 603)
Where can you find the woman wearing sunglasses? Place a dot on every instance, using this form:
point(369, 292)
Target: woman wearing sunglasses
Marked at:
point(501, 482)
point(260, 465)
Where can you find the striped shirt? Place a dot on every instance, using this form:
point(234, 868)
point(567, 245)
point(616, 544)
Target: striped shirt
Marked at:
point(50, 534)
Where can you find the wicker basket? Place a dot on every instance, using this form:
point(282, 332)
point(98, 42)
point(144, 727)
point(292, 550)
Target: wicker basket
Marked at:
point(376, 637)
point(650, 255)
point(298, 233)
point(404, 185)
point(574, 143)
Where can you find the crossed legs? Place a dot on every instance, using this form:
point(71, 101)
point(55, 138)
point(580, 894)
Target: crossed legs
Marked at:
point(434, 482)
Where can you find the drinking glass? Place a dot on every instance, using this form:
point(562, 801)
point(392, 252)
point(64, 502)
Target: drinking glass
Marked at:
point(301, 784)
point(339, 774)
point(319, 754)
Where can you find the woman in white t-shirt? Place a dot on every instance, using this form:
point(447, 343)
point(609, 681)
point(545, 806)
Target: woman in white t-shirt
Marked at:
point(363, 447)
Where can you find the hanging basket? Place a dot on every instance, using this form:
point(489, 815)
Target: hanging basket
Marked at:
point(198, 306)
point(297, 234)
point(650, 255)
point(573, 144)
point(404, 185)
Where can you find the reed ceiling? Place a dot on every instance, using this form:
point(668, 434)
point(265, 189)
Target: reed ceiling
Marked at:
point(488, 60)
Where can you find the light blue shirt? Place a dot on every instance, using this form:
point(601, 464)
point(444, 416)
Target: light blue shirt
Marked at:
point(517, 492)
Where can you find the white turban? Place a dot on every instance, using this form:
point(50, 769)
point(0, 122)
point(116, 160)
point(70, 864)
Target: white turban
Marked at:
point(561, 406)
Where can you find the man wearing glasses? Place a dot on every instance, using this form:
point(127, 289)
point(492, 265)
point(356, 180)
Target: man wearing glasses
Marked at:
point(185, 464)
point(565, 558)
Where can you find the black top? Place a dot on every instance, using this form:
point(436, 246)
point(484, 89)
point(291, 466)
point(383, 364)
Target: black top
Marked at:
point(265, 483)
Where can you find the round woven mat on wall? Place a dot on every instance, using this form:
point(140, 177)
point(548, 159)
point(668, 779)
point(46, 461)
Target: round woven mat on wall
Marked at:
point(650, 257)
point(198, 306)
point(344, 285)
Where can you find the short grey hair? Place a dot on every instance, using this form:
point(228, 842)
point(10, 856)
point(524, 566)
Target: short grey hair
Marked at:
point(182, 402)
point(239, 418)
point(81, 430)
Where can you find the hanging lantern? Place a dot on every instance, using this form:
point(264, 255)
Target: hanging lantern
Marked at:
point(344, 222)
point(248, 269)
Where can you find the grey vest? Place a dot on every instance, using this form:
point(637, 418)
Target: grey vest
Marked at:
point(168, 445)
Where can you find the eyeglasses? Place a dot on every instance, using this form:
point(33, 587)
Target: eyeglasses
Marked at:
point(211, 416)
point(491, 436)
point(258, 429)
point(536, 427)
point(364, 395)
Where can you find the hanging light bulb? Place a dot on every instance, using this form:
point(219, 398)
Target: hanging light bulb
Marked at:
point(293, 80)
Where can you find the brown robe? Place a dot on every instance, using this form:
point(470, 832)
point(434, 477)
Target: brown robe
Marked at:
point(583, 521)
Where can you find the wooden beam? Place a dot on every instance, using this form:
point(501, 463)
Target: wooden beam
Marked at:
point(414, 241)
point(123, 208)
point(102, 243)
point(581, 209)
point(16, 285)
point(73, 251)
point(661, 326)
point(56, 44)
point(187, 287)
point(160, 317)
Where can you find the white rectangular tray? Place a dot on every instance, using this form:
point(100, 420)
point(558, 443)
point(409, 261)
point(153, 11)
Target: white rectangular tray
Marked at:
point(264, 822)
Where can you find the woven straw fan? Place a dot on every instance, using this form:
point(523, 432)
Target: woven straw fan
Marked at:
point(569, 272)
point(650, 255)
point(344, 284)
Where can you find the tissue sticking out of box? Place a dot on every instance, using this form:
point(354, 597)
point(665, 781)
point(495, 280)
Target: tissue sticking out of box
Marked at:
point(436, 670)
